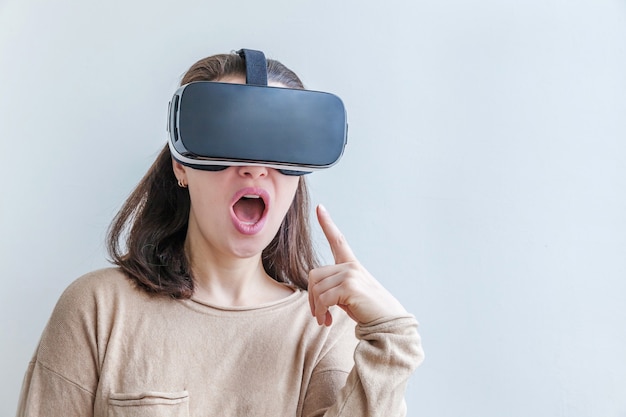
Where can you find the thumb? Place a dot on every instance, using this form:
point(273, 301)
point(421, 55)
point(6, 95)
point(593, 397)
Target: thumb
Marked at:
point(338, 245)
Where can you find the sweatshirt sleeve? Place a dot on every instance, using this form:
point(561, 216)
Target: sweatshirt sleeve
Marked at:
point(387, 353)
point(62, 377)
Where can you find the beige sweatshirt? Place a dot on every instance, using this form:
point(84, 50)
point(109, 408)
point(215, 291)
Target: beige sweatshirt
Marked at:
point(112, 350)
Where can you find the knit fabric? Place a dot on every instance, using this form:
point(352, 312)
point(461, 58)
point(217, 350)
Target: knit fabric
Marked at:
point(110, 350)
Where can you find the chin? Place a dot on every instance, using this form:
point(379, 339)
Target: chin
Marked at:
point(250, 249)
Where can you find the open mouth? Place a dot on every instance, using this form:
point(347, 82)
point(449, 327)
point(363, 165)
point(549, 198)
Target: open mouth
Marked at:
point(249, 208)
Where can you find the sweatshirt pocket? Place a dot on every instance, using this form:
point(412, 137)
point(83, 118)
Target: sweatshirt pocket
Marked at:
point(149, 404)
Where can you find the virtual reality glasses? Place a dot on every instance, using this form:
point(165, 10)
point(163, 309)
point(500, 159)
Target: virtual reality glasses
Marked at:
point(213, 125)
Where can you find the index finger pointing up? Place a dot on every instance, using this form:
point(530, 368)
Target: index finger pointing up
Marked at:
point(338, 244)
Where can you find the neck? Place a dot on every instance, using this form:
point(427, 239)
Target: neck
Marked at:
point(232, 282)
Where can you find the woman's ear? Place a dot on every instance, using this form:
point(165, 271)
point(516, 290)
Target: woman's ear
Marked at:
point(179, 171)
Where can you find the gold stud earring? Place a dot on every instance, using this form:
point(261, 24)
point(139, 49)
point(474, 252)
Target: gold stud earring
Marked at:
point(181, 183)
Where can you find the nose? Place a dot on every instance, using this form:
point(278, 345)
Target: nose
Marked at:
point(252, 171)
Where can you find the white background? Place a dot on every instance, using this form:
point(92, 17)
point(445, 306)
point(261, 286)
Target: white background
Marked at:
point(484, 180)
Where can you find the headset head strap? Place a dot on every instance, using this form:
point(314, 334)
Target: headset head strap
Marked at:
point(256, 66)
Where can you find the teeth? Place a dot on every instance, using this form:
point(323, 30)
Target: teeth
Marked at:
point(251, 196)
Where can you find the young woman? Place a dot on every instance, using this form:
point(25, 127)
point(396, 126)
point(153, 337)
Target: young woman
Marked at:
point(218, 307)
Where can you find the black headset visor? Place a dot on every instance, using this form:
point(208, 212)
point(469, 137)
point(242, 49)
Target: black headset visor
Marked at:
point(213, 125)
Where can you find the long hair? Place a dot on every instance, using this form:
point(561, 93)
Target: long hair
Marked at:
point(147, 236)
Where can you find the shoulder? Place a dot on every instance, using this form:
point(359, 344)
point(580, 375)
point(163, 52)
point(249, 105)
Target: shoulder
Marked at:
point(73, 342)
point(89, 307)
point(98, 278)
point(99, 290)
point(99, 283)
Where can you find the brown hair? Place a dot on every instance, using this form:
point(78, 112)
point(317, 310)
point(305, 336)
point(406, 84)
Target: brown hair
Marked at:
point(146, 238)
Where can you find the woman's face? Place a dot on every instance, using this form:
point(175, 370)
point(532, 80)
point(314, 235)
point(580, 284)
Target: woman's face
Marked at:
point(236, 211)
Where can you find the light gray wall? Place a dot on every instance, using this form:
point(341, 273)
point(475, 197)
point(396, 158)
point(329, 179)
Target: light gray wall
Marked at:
point(484, 180)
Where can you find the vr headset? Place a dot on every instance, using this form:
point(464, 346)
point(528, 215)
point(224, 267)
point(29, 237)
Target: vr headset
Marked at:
point(214, 125)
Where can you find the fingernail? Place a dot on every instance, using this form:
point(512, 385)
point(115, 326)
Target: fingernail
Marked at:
point(322, 208)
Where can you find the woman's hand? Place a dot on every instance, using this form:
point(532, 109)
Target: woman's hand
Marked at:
point(347, 283)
